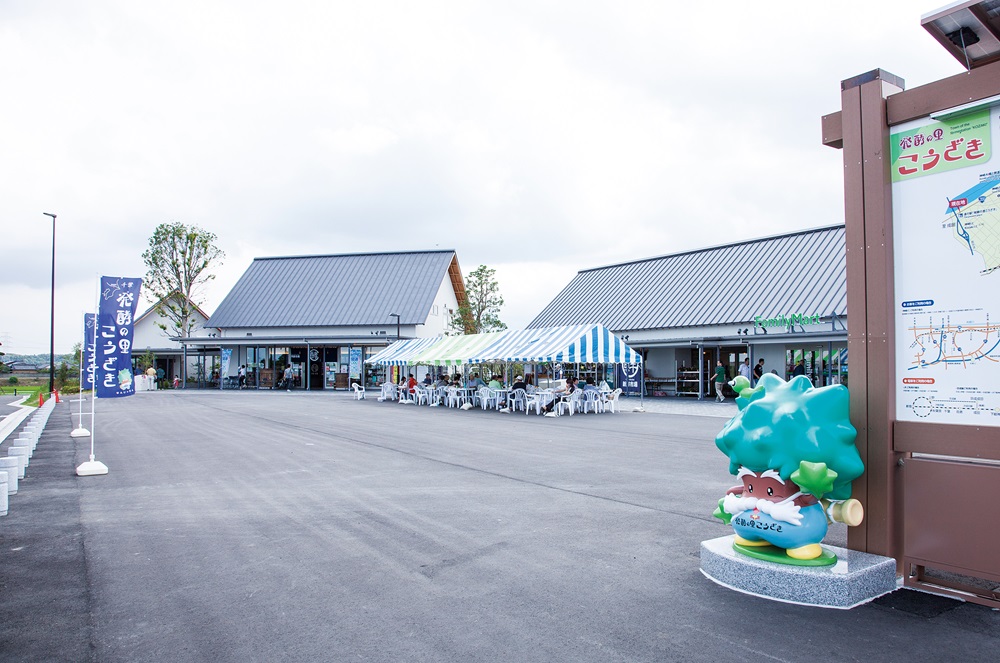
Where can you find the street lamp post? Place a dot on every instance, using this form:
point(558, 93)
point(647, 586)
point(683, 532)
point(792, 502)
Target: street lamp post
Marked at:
point(52, 311)
point(396, 315)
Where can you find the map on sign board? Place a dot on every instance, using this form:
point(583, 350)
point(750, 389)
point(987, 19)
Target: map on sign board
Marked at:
point(973, 217)
point(946, 238)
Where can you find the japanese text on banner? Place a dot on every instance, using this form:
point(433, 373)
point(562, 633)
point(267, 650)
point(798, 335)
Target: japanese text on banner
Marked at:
point(117, 303)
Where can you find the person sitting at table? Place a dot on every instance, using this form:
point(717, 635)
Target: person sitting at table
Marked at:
point(442, 381)
point(428, 379)
point(495, 383)
point(411, 384)
point(476, 382)
point(517, 384)
point(561, 392)
point(589, 385)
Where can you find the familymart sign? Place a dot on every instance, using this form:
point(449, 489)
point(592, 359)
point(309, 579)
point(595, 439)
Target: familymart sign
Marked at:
point(786, 320)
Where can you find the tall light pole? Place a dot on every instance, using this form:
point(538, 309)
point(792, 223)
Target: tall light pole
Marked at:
point(52, 311)
point(396, 315)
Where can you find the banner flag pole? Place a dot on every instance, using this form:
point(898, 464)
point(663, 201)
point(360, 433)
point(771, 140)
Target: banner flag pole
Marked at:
point(93, 467)
point(86, 357)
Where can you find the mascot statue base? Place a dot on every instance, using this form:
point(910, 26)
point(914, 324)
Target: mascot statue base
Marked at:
point(791, 447)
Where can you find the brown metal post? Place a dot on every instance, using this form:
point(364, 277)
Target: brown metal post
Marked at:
point(868, 217)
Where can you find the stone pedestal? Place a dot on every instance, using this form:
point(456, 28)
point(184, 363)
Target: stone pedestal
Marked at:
point(855, 579)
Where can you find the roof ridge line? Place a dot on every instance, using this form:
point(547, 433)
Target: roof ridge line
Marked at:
point(352, 255)
point(715, 248)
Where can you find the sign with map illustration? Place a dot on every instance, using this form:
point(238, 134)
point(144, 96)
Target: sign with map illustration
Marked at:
point(946, 237)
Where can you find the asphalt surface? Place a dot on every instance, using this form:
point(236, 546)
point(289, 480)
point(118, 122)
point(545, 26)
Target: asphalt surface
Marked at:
point(246, 526)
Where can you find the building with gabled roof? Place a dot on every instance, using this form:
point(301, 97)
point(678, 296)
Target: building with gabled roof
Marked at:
point(152, 334)
point(780, 298)
point(324, 314)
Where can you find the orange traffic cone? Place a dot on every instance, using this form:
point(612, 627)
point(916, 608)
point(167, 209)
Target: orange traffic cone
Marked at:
point(57, 397)
point(41, 399)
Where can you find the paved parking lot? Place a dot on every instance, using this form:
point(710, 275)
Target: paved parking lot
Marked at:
point(246, 526)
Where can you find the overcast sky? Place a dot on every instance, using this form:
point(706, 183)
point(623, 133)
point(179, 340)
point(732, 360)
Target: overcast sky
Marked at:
point(538, 138)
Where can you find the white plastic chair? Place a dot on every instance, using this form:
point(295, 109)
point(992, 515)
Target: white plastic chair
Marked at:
point(534, 400)
point(439, 395)
point(571, 404)
point(486, 397)
point(388, 392)
point(359, 391)
point(592, 400)
point(420, 396)
point(518, 400)
point(611, 400)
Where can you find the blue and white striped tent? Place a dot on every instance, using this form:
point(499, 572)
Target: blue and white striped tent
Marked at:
point(401, 353)
point(577, 344)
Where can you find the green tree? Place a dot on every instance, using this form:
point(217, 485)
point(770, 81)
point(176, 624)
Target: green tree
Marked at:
point(481, 311)
point(77, 357)
point(147, 361)
point(178, 261)
point(62, 375)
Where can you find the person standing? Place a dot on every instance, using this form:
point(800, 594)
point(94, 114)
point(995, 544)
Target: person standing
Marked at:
point(720, 379)
point(745, 368)
point(758, 371)
point(288, 377)
point(242, 375)
point(799, 368)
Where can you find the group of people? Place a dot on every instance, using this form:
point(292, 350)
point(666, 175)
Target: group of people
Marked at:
point(496, 382)
point(753, 375)
point(474, 382)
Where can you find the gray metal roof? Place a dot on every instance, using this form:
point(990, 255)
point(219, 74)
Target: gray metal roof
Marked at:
point(803, 272)
point(336, 290)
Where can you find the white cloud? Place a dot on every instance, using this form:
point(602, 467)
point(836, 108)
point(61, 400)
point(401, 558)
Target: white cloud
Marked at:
point(539, 138)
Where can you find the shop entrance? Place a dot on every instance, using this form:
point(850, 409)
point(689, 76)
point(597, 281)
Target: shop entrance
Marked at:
point(822, 365)
point(695, 369)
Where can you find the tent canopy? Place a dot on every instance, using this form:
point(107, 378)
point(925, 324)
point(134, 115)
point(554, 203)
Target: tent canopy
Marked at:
point(456, 350)
point(576, 344)
point(401, 353)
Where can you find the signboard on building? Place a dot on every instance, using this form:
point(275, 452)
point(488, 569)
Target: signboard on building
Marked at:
point(355, 363)
point(946, 242)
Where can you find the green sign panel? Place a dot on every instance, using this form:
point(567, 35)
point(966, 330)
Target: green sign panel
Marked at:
point(941, 146)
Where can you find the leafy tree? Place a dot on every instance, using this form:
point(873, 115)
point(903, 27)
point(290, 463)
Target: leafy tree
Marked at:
point(481, 310)
point(77, 357)
point(178, 260)
point(62, 375)
point(147, 361)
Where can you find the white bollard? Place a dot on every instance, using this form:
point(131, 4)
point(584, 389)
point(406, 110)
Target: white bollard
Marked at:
point(3, 493)
point(10, 465)
point(22, 453)
point(26, 442)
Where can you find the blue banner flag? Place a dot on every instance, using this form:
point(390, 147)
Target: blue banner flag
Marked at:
point(89, 327)
point(629, 378)
point(113, 352)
